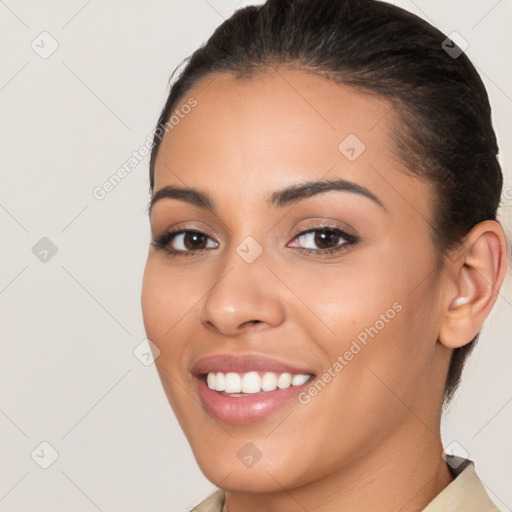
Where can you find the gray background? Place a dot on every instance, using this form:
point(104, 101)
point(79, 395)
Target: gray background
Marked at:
point(71, 320)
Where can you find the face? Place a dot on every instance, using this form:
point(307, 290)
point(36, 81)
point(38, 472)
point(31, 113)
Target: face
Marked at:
point(288, 239)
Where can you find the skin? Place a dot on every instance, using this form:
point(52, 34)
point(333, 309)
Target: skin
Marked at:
point(370, 439)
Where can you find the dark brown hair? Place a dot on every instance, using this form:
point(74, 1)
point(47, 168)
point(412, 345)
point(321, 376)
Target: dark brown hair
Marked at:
point(442, 131)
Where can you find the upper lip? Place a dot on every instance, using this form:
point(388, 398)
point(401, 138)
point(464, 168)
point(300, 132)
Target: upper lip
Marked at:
point(240, 364)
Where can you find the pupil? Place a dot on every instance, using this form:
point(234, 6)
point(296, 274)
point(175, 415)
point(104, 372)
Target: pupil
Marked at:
point(326, 239)
point(195, 241)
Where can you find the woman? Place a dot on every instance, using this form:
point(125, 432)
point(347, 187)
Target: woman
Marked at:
point(324, 253)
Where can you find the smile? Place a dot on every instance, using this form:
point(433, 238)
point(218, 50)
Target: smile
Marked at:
point(253, 382)
point(241, 389)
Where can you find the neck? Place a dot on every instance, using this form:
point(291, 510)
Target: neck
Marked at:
point(406, 473)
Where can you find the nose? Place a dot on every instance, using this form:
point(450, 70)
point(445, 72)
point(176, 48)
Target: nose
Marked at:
point(243, 296)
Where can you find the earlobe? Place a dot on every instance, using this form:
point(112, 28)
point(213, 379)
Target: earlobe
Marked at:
point(476, 276)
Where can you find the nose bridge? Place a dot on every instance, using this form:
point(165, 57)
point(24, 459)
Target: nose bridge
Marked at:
point(243, 293)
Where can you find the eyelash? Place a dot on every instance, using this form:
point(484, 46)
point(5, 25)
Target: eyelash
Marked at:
point(164, 240)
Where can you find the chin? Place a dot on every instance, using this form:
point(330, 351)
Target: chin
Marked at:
point(248, 482)
point(265, 476)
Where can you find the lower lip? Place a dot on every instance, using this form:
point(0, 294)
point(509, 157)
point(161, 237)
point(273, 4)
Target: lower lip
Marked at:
point(243, 410)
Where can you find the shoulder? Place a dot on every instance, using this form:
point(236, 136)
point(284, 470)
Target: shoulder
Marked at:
point(213, 503)
point(466, 493)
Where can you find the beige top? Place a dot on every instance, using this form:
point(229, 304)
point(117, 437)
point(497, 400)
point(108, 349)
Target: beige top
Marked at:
point(465, 493)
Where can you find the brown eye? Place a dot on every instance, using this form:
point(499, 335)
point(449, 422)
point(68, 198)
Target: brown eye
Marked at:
point(327, 239)
point(193, 240)
point(185, 241)
point(322, 239)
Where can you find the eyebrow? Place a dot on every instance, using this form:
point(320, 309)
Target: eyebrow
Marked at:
point(278, 199)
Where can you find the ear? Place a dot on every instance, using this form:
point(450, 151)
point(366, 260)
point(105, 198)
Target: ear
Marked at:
point(476, 274)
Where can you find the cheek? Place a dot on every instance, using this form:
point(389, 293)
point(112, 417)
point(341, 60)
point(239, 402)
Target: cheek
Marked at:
point(374, 314)
point(164, 306)
point(152, 301)
point(346, 300)
point(165, 301)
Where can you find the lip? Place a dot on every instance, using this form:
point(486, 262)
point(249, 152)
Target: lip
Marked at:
point(243, 410)
point(243, 364)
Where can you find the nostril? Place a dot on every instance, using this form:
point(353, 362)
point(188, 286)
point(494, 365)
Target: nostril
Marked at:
point(252, 322)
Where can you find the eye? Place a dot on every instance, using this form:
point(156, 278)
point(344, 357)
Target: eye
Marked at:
point(323, 240)
point(318, 240)
point(185, 241)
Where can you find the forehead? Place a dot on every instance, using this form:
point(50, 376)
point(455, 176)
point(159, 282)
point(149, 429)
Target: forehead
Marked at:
point(276, 128)
point(277, 109)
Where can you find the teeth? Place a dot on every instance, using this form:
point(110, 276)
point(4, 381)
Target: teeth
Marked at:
point(251, 382)
point(269, 382)
point(233, 383)
point(220, 382)
point(284, 380)
point(298, 380)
